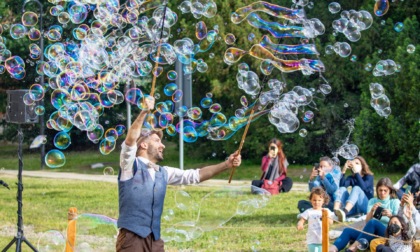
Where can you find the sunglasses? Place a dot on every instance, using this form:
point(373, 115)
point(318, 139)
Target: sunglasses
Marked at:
point(272, 148)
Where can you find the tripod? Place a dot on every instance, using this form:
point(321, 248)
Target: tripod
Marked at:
point(19, 238)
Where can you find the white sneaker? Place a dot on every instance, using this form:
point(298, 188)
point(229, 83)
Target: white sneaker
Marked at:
point(341, 215)
point(334, 234)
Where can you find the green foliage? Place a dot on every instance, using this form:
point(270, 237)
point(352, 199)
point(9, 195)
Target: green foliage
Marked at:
point(387, 143)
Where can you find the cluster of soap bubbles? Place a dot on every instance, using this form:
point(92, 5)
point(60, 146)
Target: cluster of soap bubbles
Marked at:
point(249, 82)
point(386, 67)
point(122, 43)
point(93, 232)
point(230, 201)
point(379, 101)
point(343, 49)
point(265, 50)
point(352, 23)
point(84, 73)
point(198, 9)
point(283, 113)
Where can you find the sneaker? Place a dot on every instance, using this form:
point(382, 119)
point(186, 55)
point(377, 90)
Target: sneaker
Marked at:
point(341, 215)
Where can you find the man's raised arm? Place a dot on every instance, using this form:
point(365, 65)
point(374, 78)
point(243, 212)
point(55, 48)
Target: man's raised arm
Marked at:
point(134, 131)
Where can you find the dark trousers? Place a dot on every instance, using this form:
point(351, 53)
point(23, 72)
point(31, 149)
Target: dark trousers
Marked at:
point(286, 184)
point(128, 241)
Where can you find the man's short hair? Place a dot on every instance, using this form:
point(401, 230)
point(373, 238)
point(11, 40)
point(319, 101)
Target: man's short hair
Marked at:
point(145, 133)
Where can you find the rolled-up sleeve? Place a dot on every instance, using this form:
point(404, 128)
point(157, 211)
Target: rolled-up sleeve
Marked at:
point(127, 158)
point(182, 177)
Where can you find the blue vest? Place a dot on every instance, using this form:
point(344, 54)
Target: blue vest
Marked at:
point(141, 201)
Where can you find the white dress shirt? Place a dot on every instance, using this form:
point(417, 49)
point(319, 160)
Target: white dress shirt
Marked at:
point(176, 176)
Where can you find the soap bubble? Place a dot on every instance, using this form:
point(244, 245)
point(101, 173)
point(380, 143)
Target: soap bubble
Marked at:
point(398, 27)
point(363, 244)
point(349, 151)
point(94, 232)
point(108, 171)
point(230, 39)
point(411, 48)
point(303, 132)
point(334, 7)
point(55, 159)
point(52, 240)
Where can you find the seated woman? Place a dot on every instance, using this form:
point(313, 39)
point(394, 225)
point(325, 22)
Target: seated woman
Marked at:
point(361, 181)
point(387, 204)
point(406, 203)
point(274, 167)
point(326, 175)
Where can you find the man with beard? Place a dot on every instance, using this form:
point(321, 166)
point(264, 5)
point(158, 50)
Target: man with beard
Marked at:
point(142, 185)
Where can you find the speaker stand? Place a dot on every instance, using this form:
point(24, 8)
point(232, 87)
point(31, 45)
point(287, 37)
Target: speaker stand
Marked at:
point(19, 238)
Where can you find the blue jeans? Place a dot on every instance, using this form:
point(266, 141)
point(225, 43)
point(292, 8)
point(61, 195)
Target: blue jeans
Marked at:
point(356, 197)
point(349, 234)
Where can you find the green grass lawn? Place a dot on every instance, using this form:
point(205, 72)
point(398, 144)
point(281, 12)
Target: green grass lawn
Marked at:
point(46, 202)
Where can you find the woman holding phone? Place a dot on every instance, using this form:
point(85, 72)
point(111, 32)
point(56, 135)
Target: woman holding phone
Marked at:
point(361, 182)
point(274, 166)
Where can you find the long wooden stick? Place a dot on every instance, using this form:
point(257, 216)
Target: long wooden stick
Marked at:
point(242, 141)
point(152, 91)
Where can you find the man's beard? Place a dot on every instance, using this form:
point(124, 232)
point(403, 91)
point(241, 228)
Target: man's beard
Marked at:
point(155, 154)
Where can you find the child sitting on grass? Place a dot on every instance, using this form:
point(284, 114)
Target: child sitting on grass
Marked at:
point(318, 198)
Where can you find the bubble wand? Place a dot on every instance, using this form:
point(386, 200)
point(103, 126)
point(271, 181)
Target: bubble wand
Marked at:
point(251, 116)
point(243, 139)
point(152, 90)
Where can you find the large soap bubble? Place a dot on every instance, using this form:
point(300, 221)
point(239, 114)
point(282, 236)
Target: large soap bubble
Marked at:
point(55, 159)
point(349, 151)
point(51, 240)
point(94, 232)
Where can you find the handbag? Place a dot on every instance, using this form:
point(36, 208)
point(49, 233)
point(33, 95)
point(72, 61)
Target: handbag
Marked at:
point(271, 186)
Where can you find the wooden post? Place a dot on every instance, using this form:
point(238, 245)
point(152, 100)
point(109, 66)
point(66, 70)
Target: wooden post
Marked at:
point(71, 229)
point(325, 230)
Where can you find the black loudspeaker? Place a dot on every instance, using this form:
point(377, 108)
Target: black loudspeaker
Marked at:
point(17, 111)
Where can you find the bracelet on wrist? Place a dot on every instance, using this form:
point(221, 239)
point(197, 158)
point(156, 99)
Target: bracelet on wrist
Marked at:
point(226, 164)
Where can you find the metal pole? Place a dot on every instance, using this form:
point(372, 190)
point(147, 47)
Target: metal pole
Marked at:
point(181, 142)
point(184, 83)
point(179, 82)
point(41, 117)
